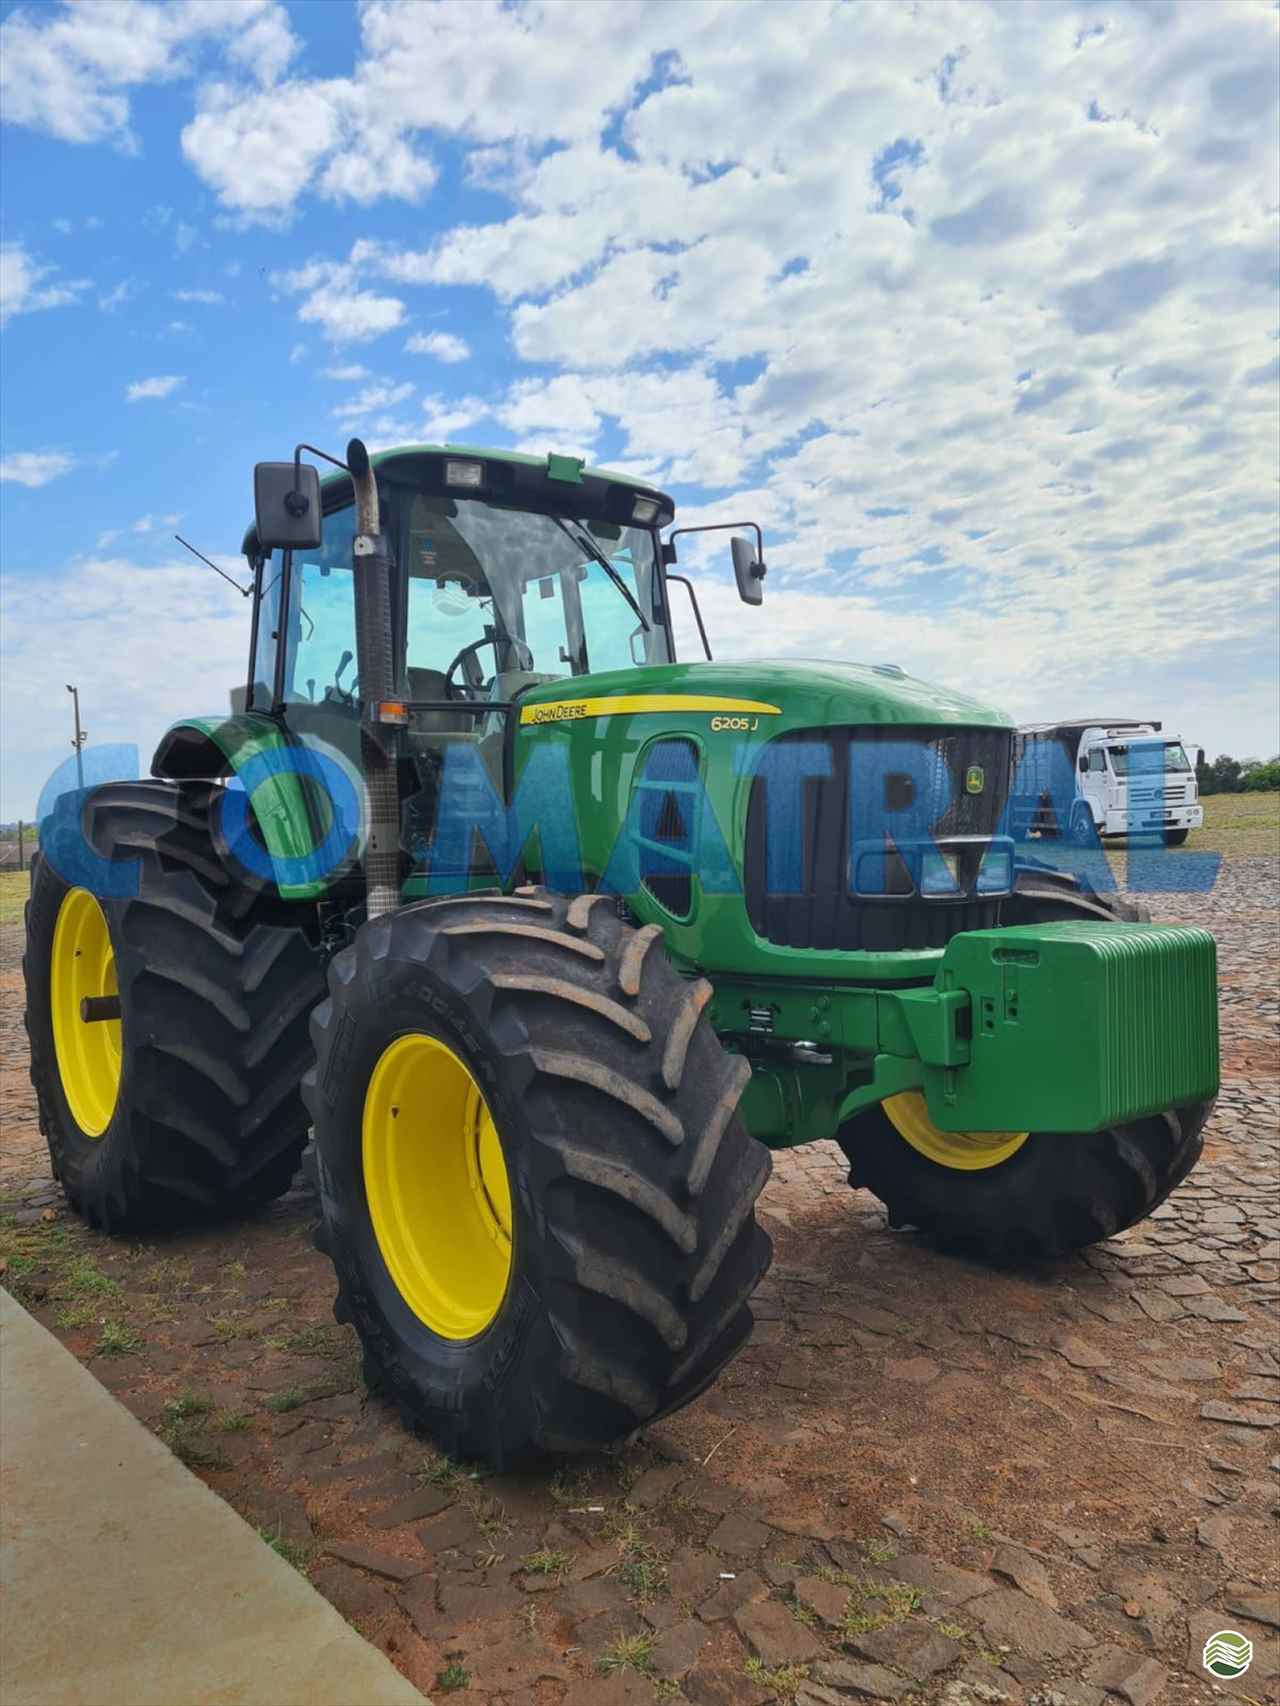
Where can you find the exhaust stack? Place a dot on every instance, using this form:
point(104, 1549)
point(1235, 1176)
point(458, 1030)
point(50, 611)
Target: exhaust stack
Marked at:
point(379, 742)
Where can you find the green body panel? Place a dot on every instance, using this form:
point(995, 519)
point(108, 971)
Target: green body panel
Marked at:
point(1059, 1027)
point(606, 751)
point(278, 802)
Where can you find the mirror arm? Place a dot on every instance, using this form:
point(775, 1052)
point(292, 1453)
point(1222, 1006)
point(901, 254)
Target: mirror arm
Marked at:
point(697, 613)
point(296, 502)
point(669, 543)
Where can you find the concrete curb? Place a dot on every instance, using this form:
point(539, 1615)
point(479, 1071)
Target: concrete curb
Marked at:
point(126, 1582)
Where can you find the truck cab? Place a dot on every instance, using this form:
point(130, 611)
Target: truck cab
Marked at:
point(1131, 778)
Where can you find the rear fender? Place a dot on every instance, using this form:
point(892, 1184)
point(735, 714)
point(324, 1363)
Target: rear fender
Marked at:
point(215, 747)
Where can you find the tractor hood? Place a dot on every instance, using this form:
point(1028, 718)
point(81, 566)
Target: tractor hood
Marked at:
point(809, 693)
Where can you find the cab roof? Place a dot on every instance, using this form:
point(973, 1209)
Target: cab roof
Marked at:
point(519, 479)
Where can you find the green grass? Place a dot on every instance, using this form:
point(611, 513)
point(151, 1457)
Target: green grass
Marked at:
point(233, 1422)
point(289, 1399)
point(317, 1340)
point(1238, 823)
point(188, 1404)
point(231, 1325)
point(874, 1605)
point(453, 1677)
point(548, 1561)
point(628, 1652)
point(118, 1339)
point(15, 886)
point(783, 1681)
point(291, 1551)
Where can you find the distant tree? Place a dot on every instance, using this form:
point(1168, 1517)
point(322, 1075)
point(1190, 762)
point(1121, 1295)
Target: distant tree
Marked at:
point(1227, 775)
point(1261, 777)
point(1220, 777)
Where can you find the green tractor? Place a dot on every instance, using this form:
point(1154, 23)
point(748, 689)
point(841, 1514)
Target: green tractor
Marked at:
point(600, 931)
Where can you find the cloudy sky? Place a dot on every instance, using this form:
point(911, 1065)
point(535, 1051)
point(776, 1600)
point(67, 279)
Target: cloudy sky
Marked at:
point(974, 306)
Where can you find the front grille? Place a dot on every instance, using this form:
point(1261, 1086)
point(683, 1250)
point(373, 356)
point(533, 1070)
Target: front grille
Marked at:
point(824, 913)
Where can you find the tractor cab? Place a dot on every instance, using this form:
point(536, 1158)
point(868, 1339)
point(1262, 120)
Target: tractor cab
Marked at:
point(505, 572)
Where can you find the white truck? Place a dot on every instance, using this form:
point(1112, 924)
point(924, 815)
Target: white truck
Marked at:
point(1130, 778)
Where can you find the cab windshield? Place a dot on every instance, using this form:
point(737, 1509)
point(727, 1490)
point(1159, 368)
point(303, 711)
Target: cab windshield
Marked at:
point(490, 600)
point(1175, 757)
point(531, 597)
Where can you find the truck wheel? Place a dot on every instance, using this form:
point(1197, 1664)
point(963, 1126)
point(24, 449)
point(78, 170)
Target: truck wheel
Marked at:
point(535, 1188)
point(1083, 832)
point(1018, 1196)
point(187, 1103)
point(1176, 837)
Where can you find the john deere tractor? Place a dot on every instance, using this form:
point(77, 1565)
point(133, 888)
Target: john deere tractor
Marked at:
point(551, 938)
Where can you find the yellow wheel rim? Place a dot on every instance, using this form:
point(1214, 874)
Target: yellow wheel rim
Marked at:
point(967, 1151)
point(83, 966)
point(437, 1186)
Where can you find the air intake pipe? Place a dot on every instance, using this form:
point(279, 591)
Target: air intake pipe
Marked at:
point(379, 742)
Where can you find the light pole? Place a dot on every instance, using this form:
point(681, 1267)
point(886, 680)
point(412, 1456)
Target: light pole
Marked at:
point(81, 735)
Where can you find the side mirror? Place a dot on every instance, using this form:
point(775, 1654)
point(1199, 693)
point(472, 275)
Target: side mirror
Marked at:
point(286, 503)
point(1084, 764)
point(748, 570)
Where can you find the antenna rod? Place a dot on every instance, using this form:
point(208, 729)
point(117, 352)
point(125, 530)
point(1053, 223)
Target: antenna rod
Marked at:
point(244, 591)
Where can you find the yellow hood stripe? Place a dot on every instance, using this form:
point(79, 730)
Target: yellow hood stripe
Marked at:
point(639, 705)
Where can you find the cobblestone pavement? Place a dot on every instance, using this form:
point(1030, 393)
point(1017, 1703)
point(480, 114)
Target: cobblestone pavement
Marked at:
point(923, 1481)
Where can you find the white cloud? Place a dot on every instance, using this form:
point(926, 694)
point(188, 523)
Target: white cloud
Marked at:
point(163, 385)
point(479, 69)
point(344, 313)
point(64, 69)
point(27, 283)
point(118, 296)
point(444, 346)
point(349, 375)
point(205, 296)
point(36, 467)
point(443, 418)
point(364, 407)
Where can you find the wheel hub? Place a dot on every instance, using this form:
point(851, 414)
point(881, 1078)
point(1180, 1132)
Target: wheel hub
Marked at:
point(84, 1005)
point(437, 1186)
point(966, 1151)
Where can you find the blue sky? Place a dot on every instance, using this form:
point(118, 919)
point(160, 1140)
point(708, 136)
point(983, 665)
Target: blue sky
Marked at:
point(975, 307)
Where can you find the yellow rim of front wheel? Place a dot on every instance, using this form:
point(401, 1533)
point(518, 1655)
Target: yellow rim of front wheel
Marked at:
point(83, 967)
point(437, 1187)
point(967, 1151)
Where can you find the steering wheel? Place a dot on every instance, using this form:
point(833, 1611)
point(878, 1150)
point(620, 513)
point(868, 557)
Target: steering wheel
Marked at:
point(473, 684)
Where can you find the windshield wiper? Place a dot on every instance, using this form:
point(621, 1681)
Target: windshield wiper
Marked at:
point(586, 543)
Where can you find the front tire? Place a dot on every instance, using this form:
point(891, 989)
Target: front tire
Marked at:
point(1176, 837)
point(592, 1271)
point(186, 1105)
point(1049, 1193)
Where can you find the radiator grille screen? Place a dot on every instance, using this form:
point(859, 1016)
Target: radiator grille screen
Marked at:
point(824, 913)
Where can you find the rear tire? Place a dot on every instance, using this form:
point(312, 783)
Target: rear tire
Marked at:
point(216, 979)
point(633, 1246)
point(1059, 1191)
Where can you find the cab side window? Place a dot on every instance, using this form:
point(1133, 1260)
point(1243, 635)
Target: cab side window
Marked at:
point(322, 615)
point(1097, 758)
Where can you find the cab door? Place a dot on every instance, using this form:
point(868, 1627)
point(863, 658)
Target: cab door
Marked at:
point(1093, 782)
